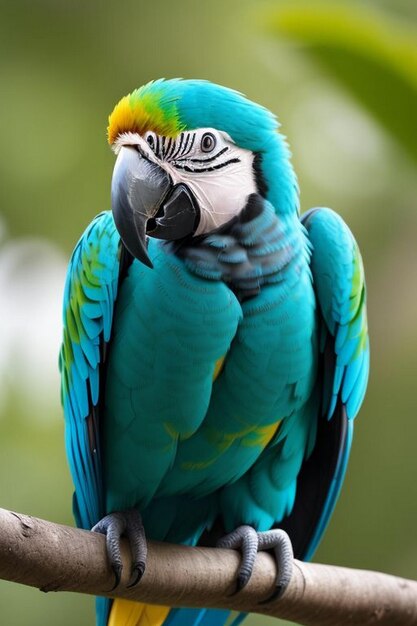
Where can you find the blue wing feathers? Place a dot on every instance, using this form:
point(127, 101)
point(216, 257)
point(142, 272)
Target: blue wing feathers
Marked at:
point(351, 377)
point(357, 394)
point(89, 297)
point(340, 287)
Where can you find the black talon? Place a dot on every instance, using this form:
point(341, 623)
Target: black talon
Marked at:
point(241, 582)
point(275, 595)
point(129, 524)
point(137, 572)
point(117, 571)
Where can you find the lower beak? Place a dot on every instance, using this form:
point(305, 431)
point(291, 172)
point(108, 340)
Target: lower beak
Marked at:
point(144, 201)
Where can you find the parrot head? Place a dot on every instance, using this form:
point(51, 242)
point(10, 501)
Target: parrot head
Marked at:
point(189, 154)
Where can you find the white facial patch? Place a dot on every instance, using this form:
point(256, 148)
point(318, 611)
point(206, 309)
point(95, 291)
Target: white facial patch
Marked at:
point(216, 170)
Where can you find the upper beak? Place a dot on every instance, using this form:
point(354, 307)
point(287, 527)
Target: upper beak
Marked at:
point(144, 201)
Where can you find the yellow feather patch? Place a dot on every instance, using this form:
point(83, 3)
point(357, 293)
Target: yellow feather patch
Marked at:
point(261, 435)
point(122, 119)
point(128, 613)
point(218, 367)
point(249, 436)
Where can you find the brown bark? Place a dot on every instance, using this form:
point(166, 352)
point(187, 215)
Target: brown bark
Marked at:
point(59, 558)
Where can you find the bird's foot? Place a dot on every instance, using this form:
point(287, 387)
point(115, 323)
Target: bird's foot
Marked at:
point(128, 524)
point(249, 543)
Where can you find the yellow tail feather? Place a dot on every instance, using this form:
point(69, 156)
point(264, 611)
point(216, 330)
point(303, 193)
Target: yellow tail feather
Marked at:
point(128, 613)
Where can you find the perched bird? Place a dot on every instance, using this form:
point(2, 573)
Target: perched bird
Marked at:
point(215, 347)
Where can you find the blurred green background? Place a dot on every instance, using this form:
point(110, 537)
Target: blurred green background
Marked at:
point(343, 80)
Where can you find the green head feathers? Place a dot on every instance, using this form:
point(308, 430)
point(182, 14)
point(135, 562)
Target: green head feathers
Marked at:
point(169, 107)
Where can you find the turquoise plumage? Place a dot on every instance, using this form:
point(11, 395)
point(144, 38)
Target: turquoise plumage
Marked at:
point(219, 387)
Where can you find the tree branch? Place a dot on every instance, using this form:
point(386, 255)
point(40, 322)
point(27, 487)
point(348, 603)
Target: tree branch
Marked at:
point(59, 558)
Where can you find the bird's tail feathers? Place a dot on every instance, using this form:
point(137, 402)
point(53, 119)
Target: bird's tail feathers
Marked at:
point(129, 613)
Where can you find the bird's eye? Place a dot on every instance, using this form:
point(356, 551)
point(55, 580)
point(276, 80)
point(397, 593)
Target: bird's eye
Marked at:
point(150, 140)
point(208, 142)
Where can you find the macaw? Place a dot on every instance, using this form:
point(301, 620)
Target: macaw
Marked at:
point(215, 348)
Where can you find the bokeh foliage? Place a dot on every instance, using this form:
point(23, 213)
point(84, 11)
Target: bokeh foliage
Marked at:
point(342, 78)
point(366, 52)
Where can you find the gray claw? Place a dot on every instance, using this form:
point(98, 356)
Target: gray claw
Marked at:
point(278, 540)
point(249, 542)
point(113, 526)
point(245, 539)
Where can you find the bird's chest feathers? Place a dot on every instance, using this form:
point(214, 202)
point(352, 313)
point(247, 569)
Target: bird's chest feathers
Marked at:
point(248, 324)
point(270, 366)
point(266, 376)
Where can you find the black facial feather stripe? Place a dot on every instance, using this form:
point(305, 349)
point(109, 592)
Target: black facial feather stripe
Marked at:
point(220, 152)
point(157, 147)
point(174, 145)
point(187, 139)
point(191, 144)
point(179, 146)
point(211, 168)
point(168, 148)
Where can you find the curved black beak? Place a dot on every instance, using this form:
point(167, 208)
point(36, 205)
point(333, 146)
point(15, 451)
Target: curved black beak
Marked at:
point(144, 201)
